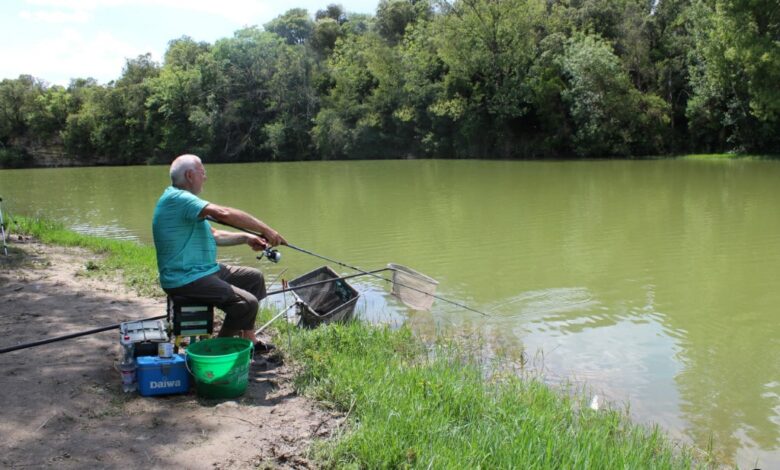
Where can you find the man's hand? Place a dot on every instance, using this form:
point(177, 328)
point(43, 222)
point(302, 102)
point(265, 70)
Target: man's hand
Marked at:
point(274, 238)
point(256, 242)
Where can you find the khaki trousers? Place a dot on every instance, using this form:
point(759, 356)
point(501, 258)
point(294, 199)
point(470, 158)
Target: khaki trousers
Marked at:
point(236, 290)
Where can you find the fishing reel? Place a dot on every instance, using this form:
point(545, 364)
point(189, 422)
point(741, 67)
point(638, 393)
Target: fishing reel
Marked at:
point(272, 254)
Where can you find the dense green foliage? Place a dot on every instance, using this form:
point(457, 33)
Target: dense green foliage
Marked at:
point(430, 78)
point(412, 408)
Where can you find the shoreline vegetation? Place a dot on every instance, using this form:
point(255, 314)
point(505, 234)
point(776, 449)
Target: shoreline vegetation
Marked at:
point(415, 404)
point(510, 79)
point(697, 157)
point(728, 156)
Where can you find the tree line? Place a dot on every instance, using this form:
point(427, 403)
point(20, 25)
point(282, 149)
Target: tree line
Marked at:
point(430, 78)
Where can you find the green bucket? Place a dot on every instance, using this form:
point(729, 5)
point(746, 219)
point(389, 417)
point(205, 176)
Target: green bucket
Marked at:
point(220, 366)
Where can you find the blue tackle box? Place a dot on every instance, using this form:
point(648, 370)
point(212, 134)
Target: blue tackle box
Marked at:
point(162, 376)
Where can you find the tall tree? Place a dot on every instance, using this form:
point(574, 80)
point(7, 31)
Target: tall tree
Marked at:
point(393, 17)
point(294, 26)
point(180, 104)
point(264, 87)
point(671, 42)
point(610, 116)
point(735, 104)
point(135, 142)
point(346, 125)
point(488, 48)
point(333, 11)
point(22, 105)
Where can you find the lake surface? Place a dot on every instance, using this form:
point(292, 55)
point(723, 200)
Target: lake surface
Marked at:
point(654, 283)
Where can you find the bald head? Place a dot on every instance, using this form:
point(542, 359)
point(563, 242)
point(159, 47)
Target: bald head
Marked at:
point(180, 166)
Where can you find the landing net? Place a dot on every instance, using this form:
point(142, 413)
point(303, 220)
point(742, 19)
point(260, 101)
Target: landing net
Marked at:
point(413, 288)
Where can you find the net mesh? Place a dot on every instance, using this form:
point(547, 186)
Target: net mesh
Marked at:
point(413, 288)
point(331, 301)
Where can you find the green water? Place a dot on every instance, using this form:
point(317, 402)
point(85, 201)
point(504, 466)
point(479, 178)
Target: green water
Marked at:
point(655, 282)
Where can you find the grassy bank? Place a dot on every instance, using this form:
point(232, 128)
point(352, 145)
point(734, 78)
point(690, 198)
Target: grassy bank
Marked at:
point(136, 262)
point(410, 405)
point(729, 156)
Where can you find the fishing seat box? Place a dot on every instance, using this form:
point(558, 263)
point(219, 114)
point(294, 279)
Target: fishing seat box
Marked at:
point(190, 318)
point(162, 376)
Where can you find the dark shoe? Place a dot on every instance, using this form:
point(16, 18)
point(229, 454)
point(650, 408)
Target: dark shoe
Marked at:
point(263, 348)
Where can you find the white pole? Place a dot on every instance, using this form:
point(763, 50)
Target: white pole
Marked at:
point(2, 228)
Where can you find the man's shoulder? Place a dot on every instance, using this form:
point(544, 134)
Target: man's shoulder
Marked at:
point(172, 192)
point(177, 205)
point(176, 195)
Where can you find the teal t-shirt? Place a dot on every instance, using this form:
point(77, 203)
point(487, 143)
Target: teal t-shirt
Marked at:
point(186, 249)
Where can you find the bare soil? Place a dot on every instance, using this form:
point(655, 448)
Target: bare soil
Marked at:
point(63, 404)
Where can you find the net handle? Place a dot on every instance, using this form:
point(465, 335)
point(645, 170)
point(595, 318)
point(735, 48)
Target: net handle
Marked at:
point(317, 283)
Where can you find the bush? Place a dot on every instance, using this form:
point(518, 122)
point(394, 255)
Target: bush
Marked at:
point(14, 158)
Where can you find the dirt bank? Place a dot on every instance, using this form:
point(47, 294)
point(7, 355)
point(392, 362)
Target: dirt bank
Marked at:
point(62, 403)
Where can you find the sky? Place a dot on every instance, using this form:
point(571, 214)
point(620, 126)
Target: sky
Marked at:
point(57, 40)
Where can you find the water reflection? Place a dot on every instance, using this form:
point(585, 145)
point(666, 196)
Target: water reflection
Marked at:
point(113, 230)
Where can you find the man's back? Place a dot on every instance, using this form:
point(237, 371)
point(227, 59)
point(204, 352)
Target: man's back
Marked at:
point(185, 246)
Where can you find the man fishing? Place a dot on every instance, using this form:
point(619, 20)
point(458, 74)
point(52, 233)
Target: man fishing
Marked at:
point(187, 250)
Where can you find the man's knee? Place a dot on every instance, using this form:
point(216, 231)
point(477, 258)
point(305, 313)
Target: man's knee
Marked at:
point(252, 304)
point(258, 284)
point(246, 278)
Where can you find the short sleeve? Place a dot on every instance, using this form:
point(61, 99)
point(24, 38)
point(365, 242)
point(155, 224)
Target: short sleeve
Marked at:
point(192, 205)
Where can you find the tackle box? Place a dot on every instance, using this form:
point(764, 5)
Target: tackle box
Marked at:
point(140, 338)
point(162, 376)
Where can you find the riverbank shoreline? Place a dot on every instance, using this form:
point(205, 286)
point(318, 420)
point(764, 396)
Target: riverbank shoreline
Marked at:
point(63, 405)
point(33, 163)
point(403, 402)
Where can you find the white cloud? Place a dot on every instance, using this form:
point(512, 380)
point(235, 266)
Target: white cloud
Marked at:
point(57, 40)
point(238, 11)
point(55, 16)
point(77, 4)
point(70, 54)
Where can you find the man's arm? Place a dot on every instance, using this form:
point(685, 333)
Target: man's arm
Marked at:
point(226, 238)
point(243, 220)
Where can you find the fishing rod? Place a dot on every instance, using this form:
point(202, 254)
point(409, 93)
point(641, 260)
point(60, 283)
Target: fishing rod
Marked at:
point(161, 317)
point(275, 258)
point(69, 336)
